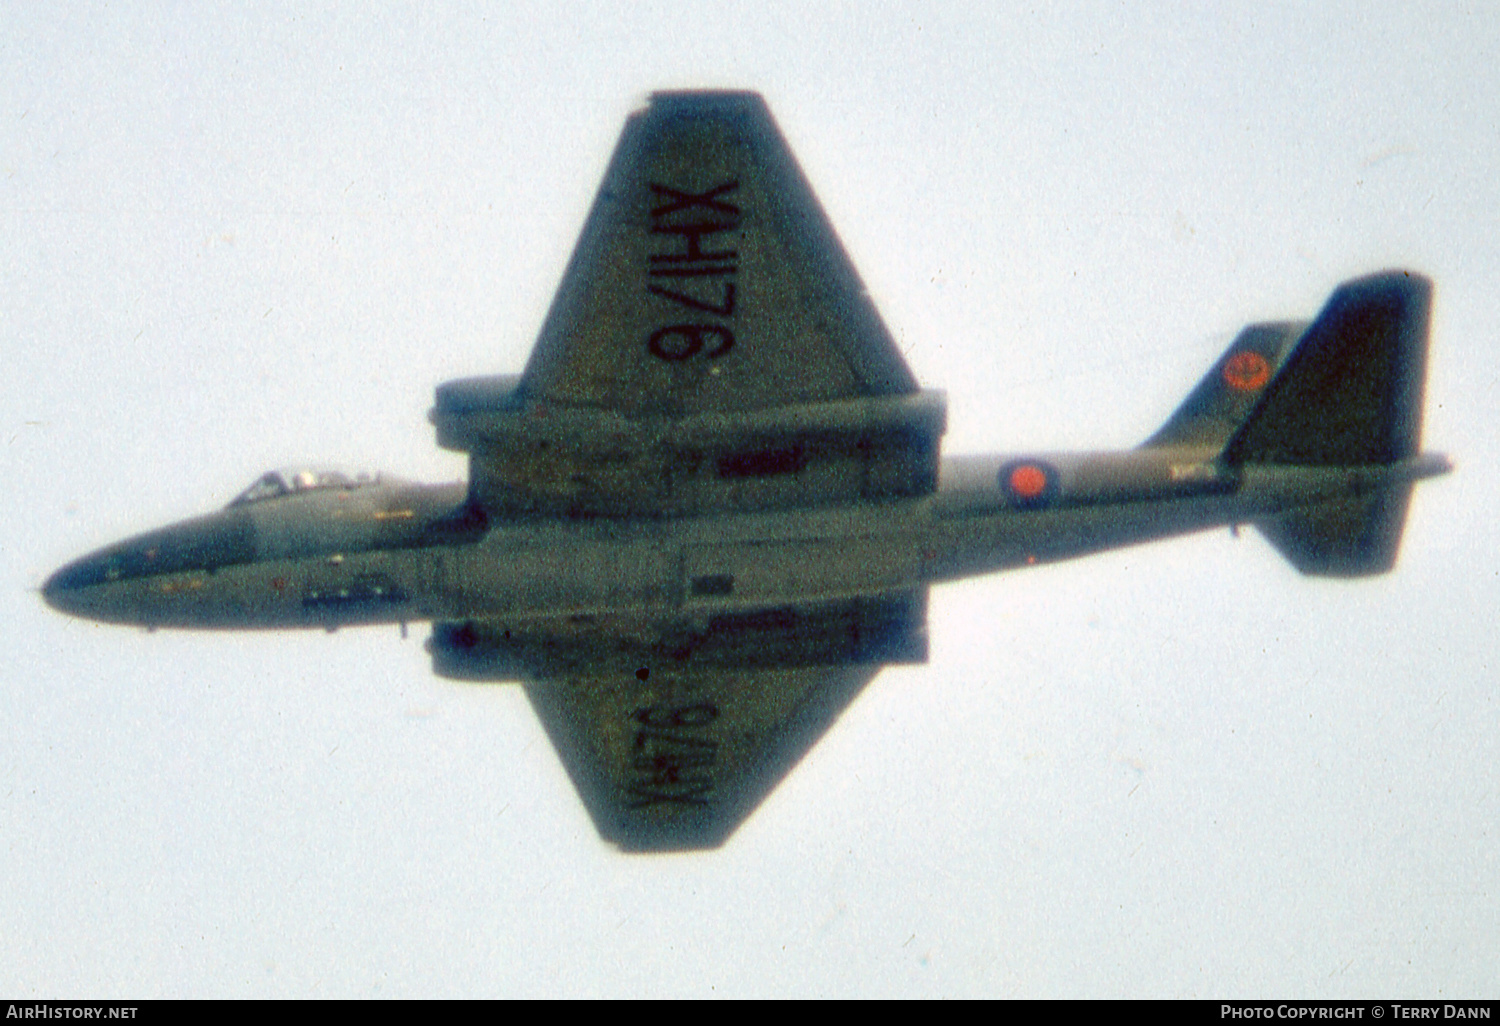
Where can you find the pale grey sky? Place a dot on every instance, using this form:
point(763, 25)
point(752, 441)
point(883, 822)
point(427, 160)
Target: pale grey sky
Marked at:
point(239, 237)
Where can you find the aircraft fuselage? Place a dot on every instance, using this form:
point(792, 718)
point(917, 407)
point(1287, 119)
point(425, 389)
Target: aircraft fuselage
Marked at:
point(394, 553)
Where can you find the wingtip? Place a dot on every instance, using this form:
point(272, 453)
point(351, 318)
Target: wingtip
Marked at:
point(699, 99)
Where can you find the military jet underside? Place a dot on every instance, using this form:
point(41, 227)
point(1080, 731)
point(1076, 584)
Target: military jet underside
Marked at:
point(710, 509)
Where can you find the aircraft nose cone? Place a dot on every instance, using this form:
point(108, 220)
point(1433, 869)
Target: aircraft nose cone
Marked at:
point(64, 590)
point(54, 592)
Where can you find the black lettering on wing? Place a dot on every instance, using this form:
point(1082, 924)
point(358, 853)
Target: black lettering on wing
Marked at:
point(723, 308)
point(678, 342)
point(657, 717)
point(696, 220)
point(671, 764)
point(677, 200)
point(693, 260)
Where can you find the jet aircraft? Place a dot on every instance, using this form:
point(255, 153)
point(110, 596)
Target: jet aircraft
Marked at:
point(711, 508)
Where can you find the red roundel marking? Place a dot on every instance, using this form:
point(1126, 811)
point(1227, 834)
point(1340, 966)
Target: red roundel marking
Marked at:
point(1246, 371)
point(1028, 481)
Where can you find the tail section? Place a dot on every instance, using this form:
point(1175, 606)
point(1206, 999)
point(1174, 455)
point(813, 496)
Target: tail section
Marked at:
point(1350, 394)
point(1345, 394)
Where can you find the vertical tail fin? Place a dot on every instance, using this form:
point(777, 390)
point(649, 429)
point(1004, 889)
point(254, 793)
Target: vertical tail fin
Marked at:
point(1214, 410)
point(1344, 391)
point(1350, 394)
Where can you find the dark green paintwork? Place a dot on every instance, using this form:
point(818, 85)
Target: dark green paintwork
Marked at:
point(713, 506)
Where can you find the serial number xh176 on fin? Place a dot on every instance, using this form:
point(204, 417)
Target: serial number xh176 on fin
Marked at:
point(711, 507)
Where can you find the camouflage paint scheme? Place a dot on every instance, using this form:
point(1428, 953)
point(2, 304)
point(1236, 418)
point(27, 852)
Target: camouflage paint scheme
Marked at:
point(710, 509)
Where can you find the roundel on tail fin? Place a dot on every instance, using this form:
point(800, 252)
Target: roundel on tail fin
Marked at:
point(1246, 371)
point(1216, 408)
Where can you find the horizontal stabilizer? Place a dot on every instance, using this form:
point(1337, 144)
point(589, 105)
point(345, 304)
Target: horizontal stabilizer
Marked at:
point(1354, 536)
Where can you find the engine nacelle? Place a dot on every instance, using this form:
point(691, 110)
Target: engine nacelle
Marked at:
point(859, 631)
point(537, 457)
point(461, 652)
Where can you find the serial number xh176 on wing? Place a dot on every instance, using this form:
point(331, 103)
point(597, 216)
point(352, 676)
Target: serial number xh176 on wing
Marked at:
point(711, 508)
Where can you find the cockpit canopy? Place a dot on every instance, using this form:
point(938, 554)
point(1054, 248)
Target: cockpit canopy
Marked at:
point(284, 481)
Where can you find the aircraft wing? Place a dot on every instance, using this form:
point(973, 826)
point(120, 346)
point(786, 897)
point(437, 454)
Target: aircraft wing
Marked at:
point(674, 735)
point(708, 278)
point(677, 761)
point(710, 346)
